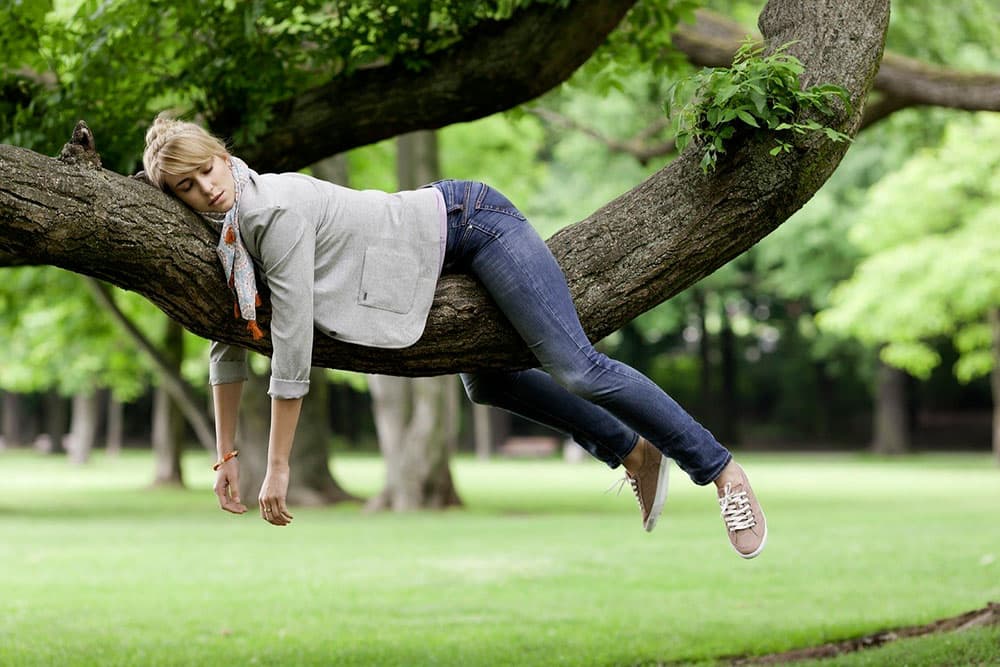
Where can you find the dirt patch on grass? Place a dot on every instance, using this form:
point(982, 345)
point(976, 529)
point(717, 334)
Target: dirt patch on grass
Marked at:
point(988, 615)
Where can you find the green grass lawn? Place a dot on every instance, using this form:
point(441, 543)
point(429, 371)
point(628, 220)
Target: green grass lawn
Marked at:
point(540, 568)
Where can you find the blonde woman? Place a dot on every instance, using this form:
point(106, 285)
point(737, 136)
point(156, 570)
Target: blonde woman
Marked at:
point(362, 266)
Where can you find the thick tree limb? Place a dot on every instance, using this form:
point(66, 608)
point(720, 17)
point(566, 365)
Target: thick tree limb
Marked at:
point(629, 256)
point(497, 66)
point(901, 82)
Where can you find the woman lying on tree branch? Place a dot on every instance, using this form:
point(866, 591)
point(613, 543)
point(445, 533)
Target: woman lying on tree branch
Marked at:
point(362, 267)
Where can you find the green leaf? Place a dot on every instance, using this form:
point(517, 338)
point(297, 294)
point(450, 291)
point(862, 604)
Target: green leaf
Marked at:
point(747, 118)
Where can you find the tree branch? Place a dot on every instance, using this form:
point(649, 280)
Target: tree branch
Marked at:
point(495, 67)
point(632, 254)
point(638, 146)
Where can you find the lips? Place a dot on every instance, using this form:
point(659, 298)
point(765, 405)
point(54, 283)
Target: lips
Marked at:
point(216, 199)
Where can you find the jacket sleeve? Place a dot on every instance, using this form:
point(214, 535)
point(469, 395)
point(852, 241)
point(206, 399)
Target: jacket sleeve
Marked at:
point(227, 363)
point(287, 257)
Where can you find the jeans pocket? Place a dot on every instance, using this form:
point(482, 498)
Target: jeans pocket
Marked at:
point(491, 200)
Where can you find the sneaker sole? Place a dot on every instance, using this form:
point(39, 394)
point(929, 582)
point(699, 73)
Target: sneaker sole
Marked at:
point(662, 482)
point(763, 542)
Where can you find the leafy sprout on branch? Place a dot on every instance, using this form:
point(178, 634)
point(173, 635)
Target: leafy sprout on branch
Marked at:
point(758, 91)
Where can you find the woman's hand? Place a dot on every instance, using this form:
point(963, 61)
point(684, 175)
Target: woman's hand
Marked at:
point(272, 496)
point(227, 487)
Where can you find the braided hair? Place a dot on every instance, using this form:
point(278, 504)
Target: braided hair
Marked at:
point(177, 147)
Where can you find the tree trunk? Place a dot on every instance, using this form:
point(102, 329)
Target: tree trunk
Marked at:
point(84, 423)
point(115, 426)
point(483, 440)
point(168, 422)
point(729, 429)
point(11, 427)
point(410, 433)
point(310, 480)
point(995, 380)
point(634, 253)
point(891, 432)
point(55, 423)
point(167, 469)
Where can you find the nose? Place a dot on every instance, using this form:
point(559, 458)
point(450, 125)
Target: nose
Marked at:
point(204, 184)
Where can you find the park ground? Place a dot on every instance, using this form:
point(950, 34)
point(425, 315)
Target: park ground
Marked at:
point(540, 567)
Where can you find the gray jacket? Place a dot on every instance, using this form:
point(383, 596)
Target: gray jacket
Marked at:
point(358, 265)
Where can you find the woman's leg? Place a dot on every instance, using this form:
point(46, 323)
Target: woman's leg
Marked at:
point(522, 276)
point(489, 236)
point(534, 395)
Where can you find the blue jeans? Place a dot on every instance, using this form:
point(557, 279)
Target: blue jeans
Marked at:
point(601, 403)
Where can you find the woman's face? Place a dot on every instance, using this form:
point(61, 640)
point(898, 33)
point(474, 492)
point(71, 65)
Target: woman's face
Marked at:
point(209, 188)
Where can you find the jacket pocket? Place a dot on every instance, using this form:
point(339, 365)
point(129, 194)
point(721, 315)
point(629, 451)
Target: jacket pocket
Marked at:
point(388, 280)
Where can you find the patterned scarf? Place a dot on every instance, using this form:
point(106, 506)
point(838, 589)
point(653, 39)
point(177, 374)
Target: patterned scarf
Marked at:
point(236, 262)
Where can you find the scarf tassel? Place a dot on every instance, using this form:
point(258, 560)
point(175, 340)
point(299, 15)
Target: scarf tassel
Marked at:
point(254, 330)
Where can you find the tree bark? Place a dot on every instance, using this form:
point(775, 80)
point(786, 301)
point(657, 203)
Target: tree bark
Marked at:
point(632, 254)
point(891, 426)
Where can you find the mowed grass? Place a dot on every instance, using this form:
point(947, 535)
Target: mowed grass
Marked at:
point(541, 567)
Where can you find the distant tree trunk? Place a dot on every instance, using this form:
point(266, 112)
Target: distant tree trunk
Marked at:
point(251, 437)
point(83, 426)
point(410, 434)
point(55, 422)
point(891, 432)
point(704, 357)
point(482, 429)
point(11, 436)
point(313, 483)
point(310, 480)
point(729, 429)
point(168, 422)
point(115, 426)
point(994, 316)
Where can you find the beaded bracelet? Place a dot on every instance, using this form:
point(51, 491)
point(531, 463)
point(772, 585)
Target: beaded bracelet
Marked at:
point(228, 455)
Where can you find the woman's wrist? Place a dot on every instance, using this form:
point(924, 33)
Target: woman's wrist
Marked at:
point(226, 458)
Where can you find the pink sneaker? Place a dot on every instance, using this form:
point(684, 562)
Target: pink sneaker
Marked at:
point(650, 483)
point(743, 517)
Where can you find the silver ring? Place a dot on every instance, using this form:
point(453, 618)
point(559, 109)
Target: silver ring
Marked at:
point(267, 511)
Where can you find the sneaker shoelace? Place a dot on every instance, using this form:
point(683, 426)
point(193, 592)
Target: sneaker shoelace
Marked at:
point(736, 510)
point(632, 482)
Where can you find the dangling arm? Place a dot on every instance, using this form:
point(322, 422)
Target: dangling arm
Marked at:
point(226, 399)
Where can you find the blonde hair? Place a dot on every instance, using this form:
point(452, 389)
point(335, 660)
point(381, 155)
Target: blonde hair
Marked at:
point(177, 147)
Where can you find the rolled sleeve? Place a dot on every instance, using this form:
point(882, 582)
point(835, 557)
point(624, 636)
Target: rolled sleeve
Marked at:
point(227, 363)
point(287, 258)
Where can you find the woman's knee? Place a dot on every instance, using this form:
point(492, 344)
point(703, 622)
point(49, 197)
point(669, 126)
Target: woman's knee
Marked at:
point(580, 379)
